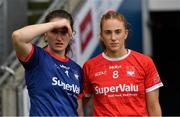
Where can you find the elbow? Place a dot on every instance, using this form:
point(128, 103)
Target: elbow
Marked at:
point(16, 38)
point(16, 35)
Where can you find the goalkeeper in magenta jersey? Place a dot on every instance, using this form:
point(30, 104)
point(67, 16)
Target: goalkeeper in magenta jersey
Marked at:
point(123, 82)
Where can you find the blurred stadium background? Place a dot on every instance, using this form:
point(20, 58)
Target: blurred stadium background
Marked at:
point(154, 31)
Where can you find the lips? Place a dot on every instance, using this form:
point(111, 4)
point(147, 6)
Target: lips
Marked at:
point(59, 44)
point(113, 44)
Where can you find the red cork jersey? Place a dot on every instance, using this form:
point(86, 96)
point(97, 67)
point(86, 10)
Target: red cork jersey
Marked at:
point(119, 85)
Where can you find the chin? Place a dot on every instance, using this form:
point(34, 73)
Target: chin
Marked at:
point(114, 49)
point(59, 49)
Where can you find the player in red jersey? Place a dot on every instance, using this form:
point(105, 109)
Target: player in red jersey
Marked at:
point(122, 82)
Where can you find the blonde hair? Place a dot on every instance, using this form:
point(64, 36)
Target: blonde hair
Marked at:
point(111, 14)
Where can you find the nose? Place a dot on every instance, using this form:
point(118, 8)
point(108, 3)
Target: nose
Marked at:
point(113, 36)
point(58, 36)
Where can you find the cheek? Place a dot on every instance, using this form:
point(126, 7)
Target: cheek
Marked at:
point(123, 37)
point(104, 39)
point(66, 38)
point(106, 42)
point(50, 37)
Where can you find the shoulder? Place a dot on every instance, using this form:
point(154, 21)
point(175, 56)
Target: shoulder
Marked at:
point(39, 49)
point(140, 56)
point(141, 61)
point(93, 61)
point(36, 51)
point(41, 55)
point(75, 64)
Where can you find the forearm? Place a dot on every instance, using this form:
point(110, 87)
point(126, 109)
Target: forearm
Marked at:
point(88, 105)
point(28, 33)
point(22, 38)
point(155, 111)
point(153, 106)
point(80, 108)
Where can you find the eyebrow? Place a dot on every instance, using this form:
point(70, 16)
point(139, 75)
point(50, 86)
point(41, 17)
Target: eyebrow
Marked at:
point(62, 30)
point(113, 30)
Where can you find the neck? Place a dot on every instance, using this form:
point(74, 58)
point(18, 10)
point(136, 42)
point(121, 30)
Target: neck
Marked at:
point(58, 54)
point(116, 54)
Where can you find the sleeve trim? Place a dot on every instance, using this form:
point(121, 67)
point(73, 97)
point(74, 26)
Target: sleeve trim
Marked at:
point(154, 87)
point(27, 57)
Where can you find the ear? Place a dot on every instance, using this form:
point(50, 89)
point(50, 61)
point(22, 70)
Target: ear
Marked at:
point(100, 37)
point(126, 34)
point(72, 36)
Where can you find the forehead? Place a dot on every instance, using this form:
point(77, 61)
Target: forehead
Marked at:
point(55, 19)
point(58, 18)
point(113, 24)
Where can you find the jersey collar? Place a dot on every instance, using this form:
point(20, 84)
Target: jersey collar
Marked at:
point(116, 59)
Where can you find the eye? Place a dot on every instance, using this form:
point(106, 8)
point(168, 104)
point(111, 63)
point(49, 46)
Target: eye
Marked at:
point(62, 31)
point(54, 31)
point(118, 31)
point(107, 32)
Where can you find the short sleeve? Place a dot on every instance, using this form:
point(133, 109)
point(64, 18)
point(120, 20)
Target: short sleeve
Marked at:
point(32, 59)
point(152, 78)
point(87, 90)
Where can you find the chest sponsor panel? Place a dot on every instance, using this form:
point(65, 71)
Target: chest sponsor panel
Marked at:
point(121, 80)
point(122, 86)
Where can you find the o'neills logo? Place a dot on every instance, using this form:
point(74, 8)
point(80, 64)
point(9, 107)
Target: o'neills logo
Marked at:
point(118, 88)
point(69, 87)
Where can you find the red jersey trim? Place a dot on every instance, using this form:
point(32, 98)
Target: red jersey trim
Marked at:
point(116, 59)
point(154, 87)
point(57, 57)
point(27, 57)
